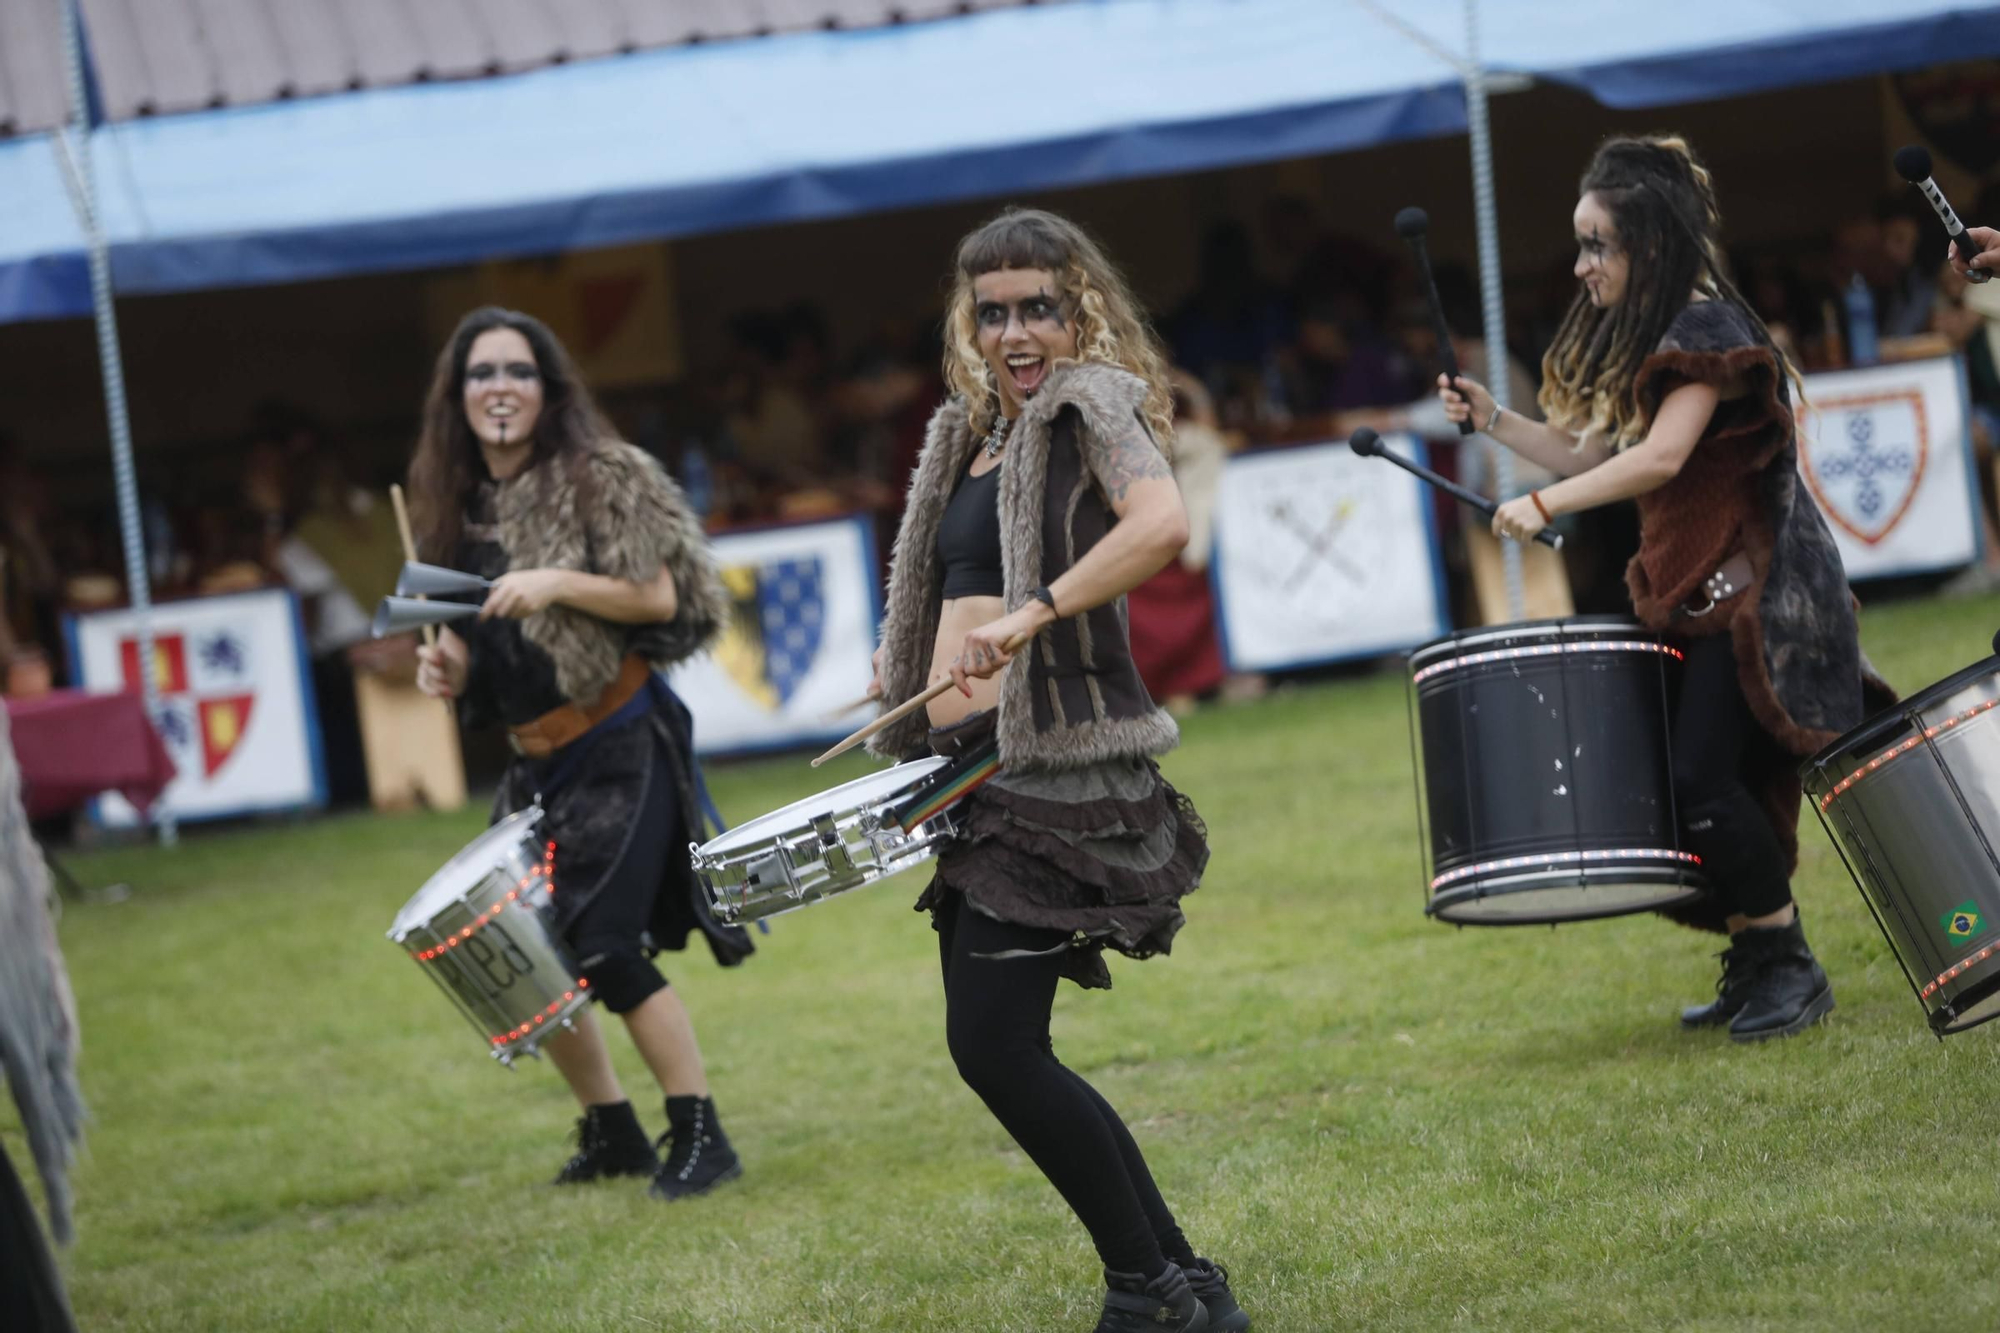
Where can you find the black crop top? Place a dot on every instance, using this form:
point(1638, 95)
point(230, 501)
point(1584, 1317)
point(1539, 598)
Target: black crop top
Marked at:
point(968, 540)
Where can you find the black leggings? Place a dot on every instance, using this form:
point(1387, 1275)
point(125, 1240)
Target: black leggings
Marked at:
point(1721, 819)
point(997, 1026)
point(609, 933)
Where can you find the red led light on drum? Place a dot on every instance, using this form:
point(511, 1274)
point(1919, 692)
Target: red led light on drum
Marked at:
point(1546, 650)
point(1561, 858)
point(1956, 968)
point(1896, 752)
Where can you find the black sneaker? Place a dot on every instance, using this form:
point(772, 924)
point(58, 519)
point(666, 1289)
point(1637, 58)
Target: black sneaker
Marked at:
point(1730, 988)
point(1210, 1281)
point(609, 1142)
point(1167, 1304)
point(696, 1153)
point(1788, 991)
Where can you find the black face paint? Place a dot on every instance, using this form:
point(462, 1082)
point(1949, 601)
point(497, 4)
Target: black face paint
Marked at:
point(1040, 309)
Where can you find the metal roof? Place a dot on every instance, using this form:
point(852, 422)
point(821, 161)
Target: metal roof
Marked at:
point(158, 57)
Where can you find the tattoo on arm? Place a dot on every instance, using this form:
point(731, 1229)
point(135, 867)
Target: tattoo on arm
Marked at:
point(1128, 455)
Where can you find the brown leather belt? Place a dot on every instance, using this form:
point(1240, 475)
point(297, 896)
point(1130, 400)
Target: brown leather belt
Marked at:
point(559, 726)
point(1732, 578)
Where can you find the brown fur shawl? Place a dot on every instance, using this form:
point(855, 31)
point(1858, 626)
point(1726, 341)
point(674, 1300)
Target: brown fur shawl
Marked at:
point(615, 512)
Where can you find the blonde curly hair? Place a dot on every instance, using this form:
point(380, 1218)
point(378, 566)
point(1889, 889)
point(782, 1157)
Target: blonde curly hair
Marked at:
point(1111, 326)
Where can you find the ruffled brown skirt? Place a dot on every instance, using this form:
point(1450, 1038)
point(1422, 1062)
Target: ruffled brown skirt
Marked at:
point(1102, 854)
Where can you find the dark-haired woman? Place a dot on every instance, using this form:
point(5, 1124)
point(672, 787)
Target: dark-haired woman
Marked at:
point(1662, 386)
point(601, 575)
point(1042, 497)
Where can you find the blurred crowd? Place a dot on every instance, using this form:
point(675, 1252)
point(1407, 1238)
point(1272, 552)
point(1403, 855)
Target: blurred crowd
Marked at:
point(1287, 331)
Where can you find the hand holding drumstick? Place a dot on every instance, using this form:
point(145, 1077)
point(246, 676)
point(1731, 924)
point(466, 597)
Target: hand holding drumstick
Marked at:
point(989, 655)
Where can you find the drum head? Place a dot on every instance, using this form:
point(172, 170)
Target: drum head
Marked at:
point(1554, 904)
point(874, 789)
point(464, 870)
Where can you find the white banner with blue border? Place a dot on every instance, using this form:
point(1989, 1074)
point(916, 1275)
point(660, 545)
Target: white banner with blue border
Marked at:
point(1886, 454)
point(1322, 555)
point(235, 702)
point(798, 643)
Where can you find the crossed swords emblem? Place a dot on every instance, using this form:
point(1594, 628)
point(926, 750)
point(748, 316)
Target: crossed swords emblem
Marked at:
point(1319, 545)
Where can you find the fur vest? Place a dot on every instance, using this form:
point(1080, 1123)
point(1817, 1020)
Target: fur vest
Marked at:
point(1799, 650)
point(619, 514)
point(1073, 697)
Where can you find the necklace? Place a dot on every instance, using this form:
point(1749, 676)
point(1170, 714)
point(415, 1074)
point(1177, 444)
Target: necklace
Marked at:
point(996, 439)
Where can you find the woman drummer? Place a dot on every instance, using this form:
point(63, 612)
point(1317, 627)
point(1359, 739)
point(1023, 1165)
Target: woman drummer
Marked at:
point(1043, 495)
point(1664, 387)
point(601, 574)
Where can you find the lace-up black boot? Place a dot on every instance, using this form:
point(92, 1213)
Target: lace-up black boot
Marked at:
point(1210, 1281)
point(1167, 1304)
point(1730, 988)
point(696, 1154)
point(609, 1142)
point(1787, 992)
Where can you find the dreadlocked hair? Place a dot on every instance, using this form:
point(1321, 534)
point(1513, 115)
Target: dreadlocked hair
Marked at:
point(1111, 326)
point(1662, 201)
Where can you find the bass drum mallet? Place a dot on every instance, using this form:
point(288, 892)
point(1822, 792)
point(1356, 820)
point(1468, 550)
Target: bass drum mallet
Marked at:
point(1369, 445)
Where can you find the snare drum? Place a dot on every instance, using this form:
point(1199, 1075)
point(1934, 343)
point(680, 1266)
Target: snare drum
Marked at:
point(1544, 773)
point(482, 929)
point(838, 840)
point(1911, 799)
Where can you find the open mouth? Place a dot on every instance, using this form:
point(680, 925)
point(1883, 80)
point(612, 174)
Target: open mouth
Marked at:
point(1027, 373)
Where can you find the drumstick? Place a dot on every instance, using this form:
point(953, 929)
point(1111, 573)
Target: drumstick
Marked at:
point(903, 710)
point(409, 549)
point(871, 697)
point(1369, 445)
point(1411, 224)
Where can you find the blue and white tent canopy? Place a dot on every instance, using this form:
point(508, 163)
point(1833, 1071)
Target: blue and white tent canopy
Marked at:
point(809, 125)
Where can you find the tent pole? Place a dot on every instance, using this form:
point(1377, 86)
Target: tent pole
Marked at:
point(113, 368)
point(1487, 216)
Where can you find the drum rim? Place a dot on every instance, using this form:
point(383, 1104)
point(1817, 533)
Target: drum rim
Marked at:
point(1555, 625)
point(1985, 989)
point(740, 838)
point(502, 831)
point(1859, 736)
point(1439, 912)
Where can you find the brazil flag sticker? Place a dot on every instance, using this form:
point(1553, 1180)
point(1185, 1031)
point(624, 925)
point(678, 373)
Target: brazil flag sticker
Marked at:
point(1962, 922)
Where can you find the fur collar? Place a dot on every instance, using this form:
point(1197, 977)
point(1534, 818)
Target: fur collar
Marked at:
point(1103, 396)
point(613, 512)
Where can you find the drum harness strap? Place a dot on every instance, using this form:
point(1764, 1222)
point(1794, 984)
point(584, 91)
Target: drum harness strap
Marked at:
point(572, 755)
point(948, 786)
point(1732, 577)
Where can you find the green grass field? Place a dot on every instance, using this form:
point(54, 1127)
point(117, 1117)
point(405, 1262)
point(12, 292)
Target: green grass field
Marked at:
point(1375, 1121)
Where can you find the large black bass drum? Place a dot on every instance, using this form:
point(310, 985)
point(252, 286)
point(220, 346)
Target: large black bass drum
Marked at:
point(1544, 782)
point(1911, 799)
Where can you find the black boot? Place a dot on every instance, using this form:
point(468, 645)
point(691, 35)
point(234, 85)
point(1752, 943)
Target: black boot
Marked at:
point(609, 1142)
point(1787, 991)
point(1167, 1304)
point(1211, 1283)
point(1730, 988)
point(697, 1154)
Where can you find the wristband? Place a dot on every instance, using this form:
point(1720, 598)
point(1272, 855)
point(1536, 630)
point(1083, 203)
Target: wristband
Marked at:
point(1541, 508)
point(1493, 420)
point(1048, 599)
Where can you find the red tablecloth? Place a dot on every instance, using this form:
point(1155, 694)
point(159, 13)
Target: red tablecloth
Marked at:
point(1172, 622)
point(72, 745)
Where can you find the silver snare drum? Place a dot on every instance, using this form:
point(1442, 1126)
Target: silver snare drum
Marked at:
point(837, 840)
point(482, 929)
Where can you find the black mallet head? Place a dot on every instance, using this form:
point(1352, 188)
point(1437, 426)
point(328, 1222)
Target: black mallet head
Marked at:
point(1913, 163)
point(1412, 223)
point(1365, 442)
